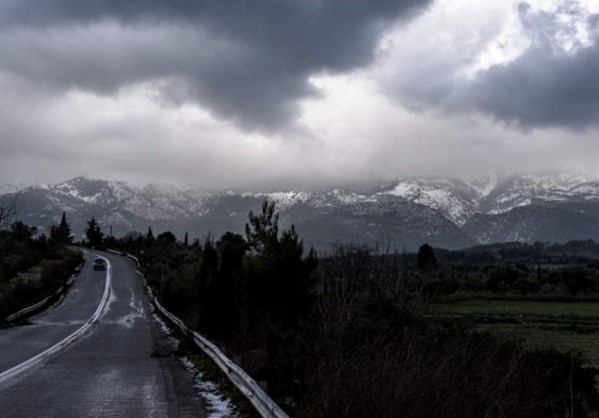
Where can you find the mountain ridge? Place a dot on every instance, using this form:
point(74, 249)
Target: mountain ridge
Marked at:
point(448, 212)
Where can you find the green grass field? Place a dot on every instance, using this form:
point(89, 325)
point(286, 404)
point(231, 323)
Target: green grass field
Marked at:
point(564, 326)
point(519, 308)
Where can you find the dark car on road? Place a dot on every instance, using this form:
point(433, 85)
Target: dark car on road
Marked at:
point(99, 264)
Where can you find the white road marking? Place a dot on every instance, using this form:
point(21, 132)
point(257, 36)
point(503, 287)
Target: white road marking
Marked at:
point(19, 368)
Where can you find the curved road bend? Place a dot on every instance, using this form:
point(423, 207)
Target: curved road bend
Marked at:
point(123, 366)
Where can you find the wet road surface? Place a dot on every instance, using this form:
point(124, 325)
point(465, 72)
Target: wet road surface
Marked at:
point(113, 370)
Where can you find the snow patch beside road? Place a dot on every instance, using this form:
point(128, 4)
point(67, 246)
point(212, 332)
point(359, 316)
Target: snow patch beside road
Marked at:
point(217, 404)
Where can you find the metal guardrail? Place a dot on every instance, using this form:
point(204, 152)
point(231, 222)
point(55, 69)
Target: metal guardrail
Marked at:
point(265, 406)
point(35, 307)
point(23, 312)
point(19, 368)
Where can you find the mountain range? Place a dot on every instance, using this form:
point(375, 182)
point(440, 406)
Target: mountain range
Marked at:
point(445, 212)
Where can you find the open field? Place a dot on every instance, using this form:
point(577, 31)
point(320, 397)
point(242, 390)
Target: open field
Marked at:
point(564, 326)
point(515, 308)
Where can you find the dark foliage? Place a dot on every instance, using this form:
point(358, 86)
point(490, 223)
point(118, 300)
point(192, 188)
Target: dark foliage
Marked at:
point(61, 234)
point(426, 260)
point(31, 268)
point(93, 232)
point(344, 336)
point(168, 236)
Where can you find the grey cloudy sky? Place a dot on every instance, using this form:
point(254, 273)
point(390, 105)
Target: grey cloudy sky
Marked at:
point(296, 93)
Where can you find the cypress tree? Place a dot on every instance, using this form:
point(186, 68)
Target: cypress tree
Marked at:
point(61, 234)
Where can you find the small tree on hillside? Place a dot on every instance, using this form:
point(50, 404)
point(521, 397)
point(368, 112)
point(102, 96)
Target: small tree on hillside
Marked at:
point(93, 232)
point(61, 234)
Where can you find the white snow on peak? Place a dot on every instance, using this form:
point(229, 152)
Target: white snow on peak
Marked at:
point(338, 196)
point(456, 199)
point(282, 200)
point(345, 196)
point(440, 195)
point(166, 188)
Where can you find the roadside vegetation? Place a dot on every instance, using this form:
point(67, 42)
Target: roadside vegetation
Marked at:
point(33, 267)
point(364, 333)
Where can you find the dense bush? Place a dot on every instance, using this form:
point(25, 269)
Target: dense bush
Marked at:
point(423, 371)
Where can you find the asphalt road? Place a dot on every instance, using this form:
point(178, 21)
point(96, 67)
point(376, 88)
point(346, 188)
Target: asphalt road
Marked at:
point(121, 367)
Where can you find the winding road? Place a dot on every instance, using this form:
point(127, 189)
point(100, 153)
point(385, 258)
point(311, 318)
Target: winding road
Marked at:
point(118, 363)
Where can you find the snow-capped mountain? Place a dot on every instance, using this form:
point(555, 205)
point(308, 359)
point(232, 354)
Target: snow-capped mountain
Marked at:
point(524, 190)
point(446, 212)
point(456, 199)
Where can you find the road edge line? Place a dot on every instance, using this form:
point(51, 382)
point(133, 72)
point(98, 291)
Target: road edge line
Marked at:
point(19, 368)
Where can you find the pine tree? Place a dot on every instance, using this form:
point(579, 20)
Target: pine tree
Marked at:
point(281, 279)
point(262, 231)
point(186, 240)
point(93, 232)
point(63, 221)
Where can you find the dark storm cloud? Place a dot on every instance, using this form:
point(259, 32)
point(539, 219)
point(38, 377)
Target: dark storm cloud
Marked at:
point(546, 86)
point(540, 89)
point(247, 60)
